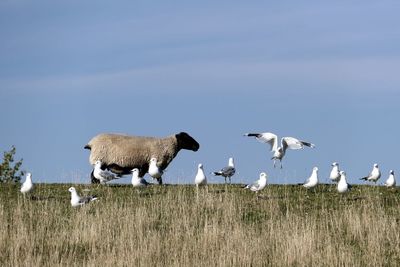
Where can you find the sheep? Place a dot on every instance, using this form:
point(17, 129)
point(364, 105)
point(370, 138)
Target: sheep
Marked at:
point(122, 153)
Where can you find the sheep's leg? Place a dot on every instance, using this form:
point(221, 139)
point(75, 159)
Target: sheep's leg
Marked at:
point(93, 179)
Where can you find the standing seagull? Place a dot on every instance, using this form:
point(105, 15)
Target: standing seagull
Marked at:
point(200, 178)
point(136, 180)
point(374, 175)
point(27, 186)
point(286, 142)
point(228, 171)
point(335, 173)
point(312, 181)
point(342, 185)
point(259, 184)
point(391, 181)
point(155, 171)
point(76, 200)
point(103, 176)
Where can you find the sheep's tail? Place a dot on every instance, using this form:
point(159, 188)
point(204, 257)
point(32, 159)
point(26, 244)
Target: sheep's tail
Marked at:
point(87, 147)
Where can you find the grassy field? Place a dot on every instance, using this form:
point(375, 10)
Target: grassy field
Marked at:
point(220, 226)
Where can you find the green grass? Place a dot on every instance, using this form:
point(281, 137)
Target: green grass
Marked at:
point(221, 225)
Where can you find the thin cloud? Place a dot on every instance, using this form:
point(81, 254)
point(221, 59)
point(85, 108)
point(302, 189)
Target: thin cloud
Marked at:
point(352, 74)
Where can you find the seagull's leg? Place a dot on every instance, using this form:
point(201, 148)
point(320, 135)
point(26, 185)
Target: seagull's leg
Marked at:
point(274, 161)
point(280, 161)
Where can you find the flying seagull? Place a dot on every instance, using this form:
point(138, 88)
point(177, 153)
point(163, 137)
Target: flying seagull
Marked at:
point(27, 186)
point(200, 178)
point(103, 176)
point(136, 180)
point(76, 200)
point(286, 142)
point(228, 171)
point(374, 175)
point(335, 172)
point(259, 184)
point(342, 185)
point(312, 181)
point(155, 171)
point(391, 181)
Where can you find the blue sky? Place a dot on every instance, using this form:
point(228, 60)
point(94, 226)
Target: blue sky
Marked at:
point(325, 72)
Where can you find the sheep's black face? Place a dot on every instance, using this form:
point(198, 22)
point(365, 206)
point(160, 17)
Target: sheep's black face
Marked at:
point(185, 141)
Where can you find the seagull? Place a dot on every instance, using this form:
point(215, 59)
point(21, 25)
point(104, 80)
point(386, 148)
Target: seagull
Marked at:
point(259, 184)
point(200, 178)
point(103, 176)
point(312, 181)
point(155, 171)
point(27, 186)
point(374, 175)
point(391, 181)
point(286, 142)
point(342, 185)
point(335, 173)
point(76, 200)
point(227, 172)
point(136, 180)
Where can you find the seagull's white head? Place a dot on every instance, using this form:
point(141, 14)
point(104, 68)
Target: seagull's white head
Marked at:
point(315, 169)
point(97, 163)
point(29, 175)
point(392, 172)
point(375, 165)
point(342, 173)
point(153, 160)
point(72, 189)
point(231, 162)
point(200, 166)
point(135, 170)
point(335, 164)
point(263, 175)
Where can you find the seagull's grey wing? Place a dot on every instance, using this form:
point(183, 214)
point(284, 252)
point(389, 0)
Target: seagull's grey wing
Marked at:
point(255, 186)
point(108, 175)
point(294, 143)
point(144, 182)
point(87, 199)
point(268, 138)
point(228, 171)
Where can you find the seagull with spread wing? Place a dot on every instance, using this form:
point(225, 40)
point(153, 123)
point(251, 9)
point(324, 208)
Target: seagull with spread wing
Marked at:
point(286, 142)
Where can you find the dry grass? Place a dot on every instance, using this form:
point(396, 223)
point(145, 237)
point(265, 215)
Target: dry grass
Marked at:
point(226, 226)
